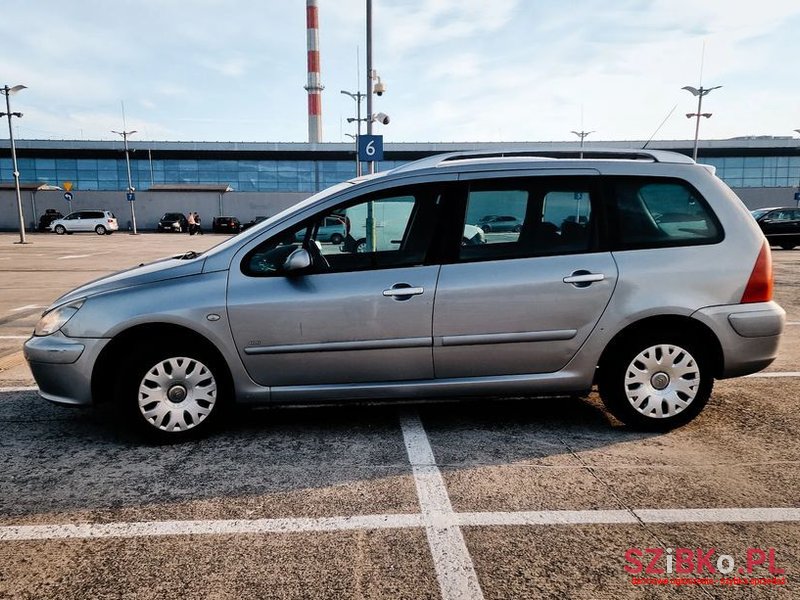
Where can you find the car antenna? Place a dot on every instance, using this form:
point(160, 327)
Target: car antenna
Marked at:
point(669, 114)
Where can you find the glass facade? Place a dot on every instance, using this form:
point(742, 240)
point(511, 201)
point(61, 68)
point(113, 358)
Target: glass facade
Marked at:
point(308, 176)
point(757, 171)
point(241, 175)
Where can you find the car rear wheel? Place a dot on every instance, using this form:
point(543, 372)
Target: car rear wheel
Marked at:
point(100, 230)
point(336, 239)
point(656, 383)
point(173, 394)
point(60, 229)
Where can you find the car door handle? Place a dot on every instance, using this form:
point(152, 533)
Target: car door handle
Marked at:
point(403, 289)
point(584, 278)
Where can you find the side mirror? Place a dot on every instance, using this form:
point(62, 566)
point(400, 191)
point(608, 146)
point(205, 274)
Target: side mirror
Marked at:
point(297, 260)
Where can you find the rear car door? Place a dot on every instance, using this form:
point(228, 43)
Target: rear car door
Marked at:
point(524, 302)
point(361, 313)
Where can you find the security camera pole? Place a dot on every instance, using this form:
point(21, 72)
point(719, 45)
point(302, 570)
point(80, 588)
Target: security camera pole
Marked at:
point(131, 189)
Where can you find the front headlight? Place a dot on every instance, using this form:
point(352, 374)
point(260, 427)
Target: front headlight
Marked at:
point(56, 318)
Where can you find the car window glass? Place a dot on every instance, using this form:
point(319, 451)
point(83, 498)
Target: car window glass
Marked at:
point(547, 216)
point(662, 213)
point(385, 232)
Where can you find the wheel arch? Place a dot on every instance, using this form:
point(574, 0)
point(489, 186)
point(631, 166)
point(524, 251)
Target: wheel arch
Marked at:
point(133, 339)
point(669, 324)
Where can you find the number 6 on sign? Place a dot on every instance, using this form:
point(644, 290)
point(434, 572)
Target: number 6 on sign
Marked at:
point(370, 148)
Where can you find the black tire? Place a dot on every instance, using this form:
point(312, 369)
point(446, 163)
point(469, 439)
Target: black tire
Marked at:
point(635, 372)
point(788, 246)
point(100, 230)
point(336, 239)
point(486, 228)
point(60, 229)
point(173, 393)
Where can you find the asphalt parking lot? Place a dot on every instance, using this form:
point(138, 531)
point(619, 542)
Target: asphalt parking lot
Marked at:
point(506, 499)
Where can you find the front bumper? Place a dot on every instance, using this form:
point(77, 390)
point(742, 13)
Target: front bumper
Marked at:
point(62, 366)
point(748, 333)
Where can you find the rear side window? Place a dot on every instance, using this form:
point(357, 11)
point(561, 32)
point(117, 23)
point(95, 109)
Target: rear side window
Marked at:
point(658, 212)
point(92, 214)
point(526, 218)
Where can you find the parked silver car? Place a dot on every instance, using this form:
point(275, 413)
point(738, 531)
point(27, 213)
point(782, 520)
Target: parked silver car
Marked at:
point(640, 272)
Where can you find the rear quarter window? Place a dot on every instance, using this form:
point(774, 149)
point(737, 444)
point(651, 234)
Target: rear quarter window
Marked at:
point(661, 212)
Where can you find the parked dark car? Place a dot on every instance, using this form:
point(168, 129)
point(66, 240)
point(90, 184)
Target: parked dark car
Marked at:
point(781, 226)
point(502, 223)
point(50, 215)
point(226, 224)
point(252, 222)
point(173, 223)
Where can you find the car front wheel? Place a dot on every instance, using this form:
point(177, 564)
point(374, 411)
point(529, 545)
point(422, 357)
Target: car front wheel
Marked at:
point(656, 383)
point(174, 394)
point(60, 229)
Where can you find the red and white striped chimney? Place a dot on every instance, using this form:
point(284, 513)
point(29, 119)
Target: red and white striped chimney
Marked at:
point(314, 86)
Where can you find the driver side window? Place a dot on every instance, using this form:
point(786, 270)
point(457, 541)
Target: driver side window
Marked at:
point(384, 231)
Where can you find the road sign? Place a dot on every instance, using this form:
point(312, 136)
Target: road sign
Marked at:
point(797, 196)
point(67, 185)
point(130, 196)
point(68, 196)
point(370, 148)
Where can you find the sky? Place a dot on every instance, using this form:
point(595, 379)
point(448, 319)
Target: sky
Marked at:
point(455, 70)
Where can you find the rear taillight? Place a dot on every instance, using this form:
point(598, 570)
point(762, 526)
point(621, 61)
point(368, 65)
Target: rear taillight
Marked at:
point(761, 282)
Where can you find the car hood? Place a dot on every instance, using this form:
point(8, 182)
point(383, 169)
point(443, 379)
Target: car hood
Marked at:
point(160, 270)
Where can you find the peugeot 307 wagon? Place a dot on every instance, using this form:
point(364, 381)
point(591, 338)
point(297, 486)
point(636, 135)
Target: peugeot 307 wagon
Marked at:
point(640, 272)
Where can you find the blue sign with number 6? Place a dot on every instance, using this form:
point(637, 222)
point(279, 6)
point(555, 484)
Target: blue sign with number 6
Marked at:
point(370, 148)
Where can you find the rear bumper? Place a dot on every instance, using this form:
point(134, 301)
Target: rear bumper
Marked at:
point(748, 333)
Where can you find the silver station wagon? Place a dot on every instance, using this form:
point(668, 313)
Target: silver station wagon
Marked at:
point(640, 272)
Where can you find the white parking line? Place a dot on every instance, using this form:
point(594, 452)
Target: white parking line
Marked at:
point(14, 337)
point(451, 560)
point(675, 516)
point(32, 388)
point(776, 374)
point(235, 526)
point(26, 307)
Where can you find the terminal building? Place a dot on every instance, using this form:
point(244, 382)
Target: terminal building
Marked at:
point(249, 179)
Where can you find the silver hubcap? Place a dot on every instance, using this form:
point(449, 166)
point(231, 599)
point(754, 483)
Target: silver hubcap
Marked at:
point(177, 394)
point(662, 381)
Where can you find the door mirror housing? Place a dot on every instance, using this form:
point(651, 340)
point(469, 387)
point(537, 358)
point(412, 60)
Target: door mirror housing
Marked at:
point(297, 260)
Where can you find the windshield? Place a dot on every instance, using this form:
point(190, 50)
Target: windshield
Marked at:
point(757, 214)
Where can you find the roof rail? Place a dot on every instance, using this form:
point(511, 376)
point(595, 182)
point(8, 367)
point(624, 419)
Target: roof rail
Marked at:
point(440, 160)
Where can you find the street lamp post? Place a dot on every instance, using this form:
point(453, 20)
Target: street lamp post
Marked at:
point(8, 91)
point(131, 189)
point(358, 97)
point(699, 93)
point(582, 135)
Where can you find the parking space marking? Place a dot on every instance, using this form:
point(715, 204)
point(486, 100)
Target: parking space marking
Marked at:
point(14, 533)
point(69, 256)
point(451, 559)
point(26, 307)
point(675, 516)
point(776, 374)
point(31, 388)
point(14, 337)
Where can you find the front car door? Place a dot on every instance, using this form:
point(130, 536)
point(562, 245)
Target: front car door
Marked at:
point(361, 313)
point(524, 302)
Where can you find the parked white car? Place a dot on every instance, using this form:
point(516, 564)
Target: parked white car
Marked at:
point(102, 222)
